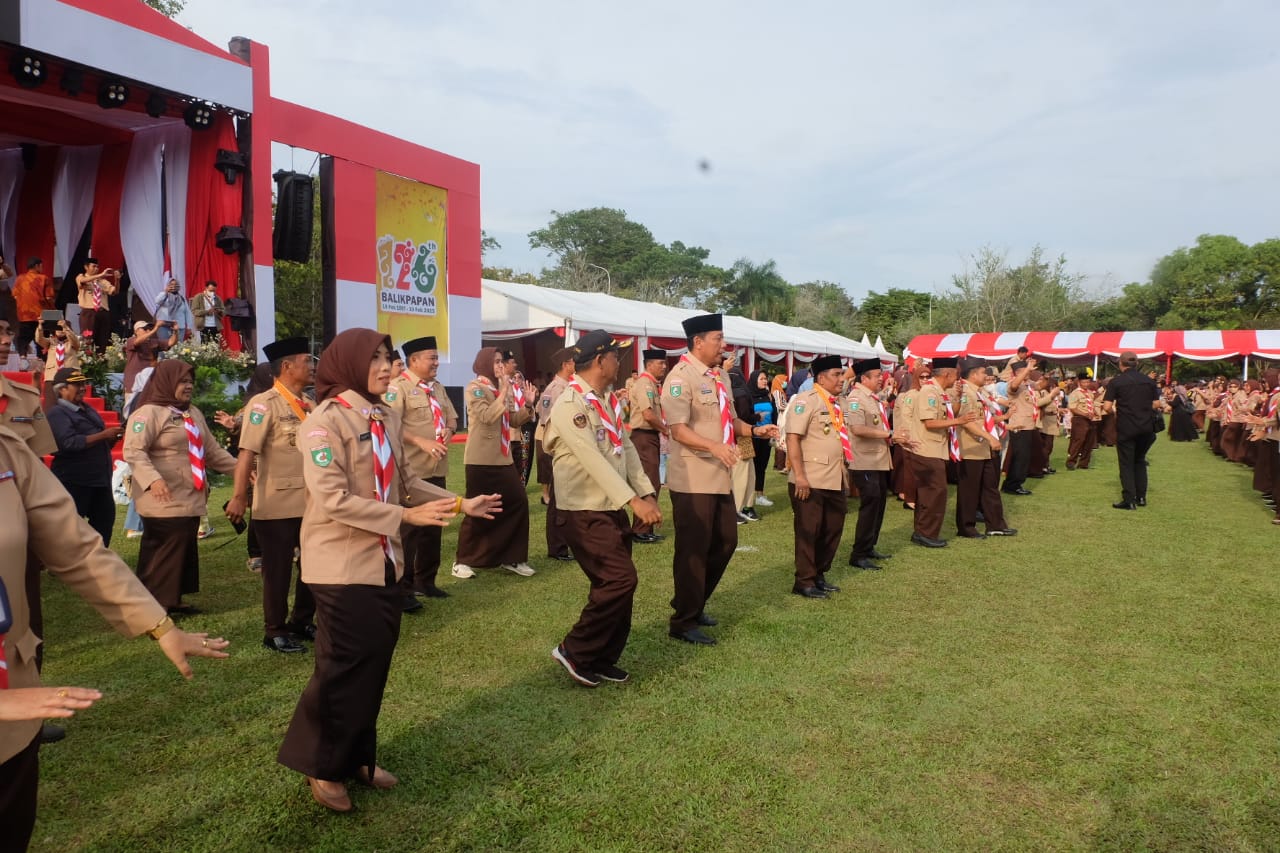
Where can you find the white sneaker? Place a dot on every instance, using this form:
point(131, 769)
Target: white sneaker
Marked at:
point(524, 570)
point(743, 518)
point(462, 570)
point(761, 500)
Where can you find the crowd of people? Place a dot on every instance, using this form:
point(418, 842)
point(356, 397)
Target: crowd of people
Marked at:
point(341, 469)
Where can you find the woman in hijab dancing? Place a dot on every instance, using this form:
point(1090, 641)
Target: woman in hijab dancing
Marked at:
point(358, 495)
point(170, 449)
point(491, 413)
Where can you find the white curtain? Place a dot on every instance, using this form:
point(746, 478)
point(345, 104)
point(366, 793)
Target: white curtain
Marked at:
point(74, 179)
point(11, 173)
point(177, 168)
point(141, 218)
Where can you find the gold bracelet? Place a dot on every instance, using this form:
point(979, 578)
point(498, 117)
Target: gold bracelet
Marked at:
point(161, 628)
point(457, 507)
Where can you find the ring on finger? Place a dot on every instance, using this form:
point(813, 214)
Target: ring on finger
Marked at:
point(204, 643)
point(62, 694)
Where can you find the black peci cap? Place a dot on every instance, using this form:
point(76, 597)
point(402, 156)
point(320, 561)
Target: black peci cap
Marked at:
point(655, 355)
point(418, 345)
point(825, 362)
point(286, 348)
point(866, 366)
point(945, 363)
point(702, 324)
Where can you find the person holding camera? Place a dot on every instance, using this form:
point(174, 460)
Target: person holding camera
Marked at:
point(140, 352)
point(94, 287)
point(207, 309)
point(174, 319)
point(83, 461)
point(61, 347)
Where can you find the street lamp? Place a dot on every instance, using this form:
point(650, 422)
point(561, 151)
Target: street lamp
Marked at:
point(608, 279)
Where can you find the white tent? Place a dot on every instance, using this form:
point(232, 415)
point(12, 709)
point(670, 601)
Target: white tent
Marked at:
point(509, 310)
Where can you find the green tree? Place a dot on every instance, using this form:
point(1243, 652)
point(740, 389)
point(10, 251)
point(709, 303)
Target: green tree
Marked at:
point(1207, 286)
point(595, 248)
point(170, 8)
point(897, 316)
point(487, 243)
point(991, 296)
point(757, 291)
point(824, 305)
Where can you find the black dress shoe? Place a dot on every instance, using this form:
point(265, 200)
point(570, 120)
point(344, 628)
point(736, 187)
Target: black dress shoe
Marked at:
point(564, 558)
point(1008, 531)
point(864, 564)
point(1051, 470)
point(693, 635)
point(49, 733)
point(927, 542)
point(305, 632)
point(972, 535)
point(646, 538)
point(1019, 491)
point(1036, 476)
point(876, 555)
point(1124, 505)
point(433, 591)
point(809, 592)
point(1142, 501)
point(826, 587)
point(284, 645)
point(751, 513)
point(410, 604)
point(706, 621)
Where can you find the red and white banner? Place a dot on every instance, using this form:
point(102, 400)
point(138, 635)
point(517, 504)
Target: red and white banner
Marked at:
point(1198, 345)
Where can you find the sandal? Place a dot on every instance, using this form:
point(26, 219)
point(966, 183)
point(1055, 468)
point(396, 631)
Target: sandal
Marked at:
point(254, 564)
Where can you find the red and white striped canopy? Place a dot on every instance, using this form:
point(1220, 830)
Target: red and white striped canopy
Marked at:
point(1205, 345)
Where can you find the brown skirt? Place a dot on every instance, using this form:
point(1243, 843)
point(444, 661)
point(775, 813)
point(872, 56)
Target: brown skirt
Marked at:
point(334, 733)
point(169, 558)
point(505, 539)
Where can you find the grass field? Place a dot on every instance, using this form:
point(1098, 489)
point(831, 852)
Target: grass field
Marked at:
point(1104, 680)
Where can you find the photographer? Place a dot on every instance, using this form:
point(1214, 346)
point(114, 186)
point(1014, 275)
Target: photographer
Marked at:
point(94, 287)
point(83, 460)
point(174, 319)
point(140, 352)
point(61, 347)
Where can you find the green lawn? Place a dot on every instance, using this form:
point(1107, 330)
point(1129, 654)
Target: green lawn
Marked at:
point(1104, 680)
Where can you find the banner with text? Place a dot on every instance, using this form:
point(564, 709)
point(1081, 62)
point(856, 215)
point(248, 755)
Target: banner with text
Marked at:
point(412, 295)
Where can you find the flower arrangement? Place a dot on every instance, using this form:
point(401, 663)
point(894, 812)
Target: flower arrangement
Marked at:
point(210, 355)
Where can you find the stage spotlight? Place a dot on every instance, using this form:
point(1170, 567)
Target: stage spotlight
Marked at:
point(231, 240)
point(112, 94)
point(198, 116)
point(230, 164)
point(157, 105)
point(28, 69)
point(72, 81)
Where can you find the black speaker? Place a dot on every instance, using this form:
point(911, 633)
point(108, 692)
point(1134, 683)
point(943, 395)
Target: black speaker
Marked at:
point(295, 200)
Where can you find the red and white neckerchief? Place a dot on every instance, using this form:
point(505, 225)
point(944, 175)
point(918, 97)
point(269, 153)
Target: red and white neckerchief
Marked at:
point(437, 411)
point(1229, 408)
point(722, 395)
point(60, 354)
point(953, 434)
point(504, 434)
point(1272, 402)
point(837, 418)
point(97, 296)
point(612, 423)
point(992, 427)
point(517, 391)
point(1088, 403)
point(384, 465)
point(884, 418)
point(195, 448)
point(1035, 409)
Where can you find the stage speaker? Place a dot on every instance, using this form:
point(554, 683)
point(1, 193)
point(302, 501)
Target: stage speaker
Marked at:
point(295, 208)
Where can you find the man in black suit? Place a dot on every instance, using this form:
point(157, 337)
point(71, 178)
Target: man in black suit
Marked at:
point(1135, 397)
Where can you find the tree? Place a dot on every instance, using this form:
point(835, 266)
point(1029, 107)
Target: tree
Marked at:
point(1207, 286)
point(586, 243)
point(171, 8)
point(824, 305)
point(991, 296)
point(757, 291)
point(897, 316)
point(488, 244)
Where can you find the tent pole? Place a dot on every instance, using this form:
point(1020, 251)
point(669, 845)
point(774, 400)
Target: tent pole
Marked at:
point(1168, 368)
point(1095, 367)
point(791, 363)
point(1246, 369)
point(570, 336)
point(644, 345)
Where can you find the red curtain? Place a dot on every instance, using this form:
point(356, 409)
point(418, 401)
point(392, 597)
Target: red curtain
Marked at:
point(106, 205)
point(211, 204)
point(34, 234)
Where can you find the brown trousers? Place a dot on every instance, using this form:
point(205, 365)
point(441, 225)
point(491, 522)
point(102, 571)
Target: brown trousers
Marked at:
point(421, 553)
point(1231, 441)
point(279, 536)
point(873, 494)
point(19, 778)
point(544, 460)
point(95, 327)
point(556, 544)
point(504, 539)
point(169, 558)
point(1084, 437)
point(978, 487)
point(904, 479)
point(1264, 466)
point(1197, 418)
point(931, 493)
point(333, 732)
point(1213, 434)
point(706, 533)
point(649, 448)
point(818, 522)
point(1041, 453)
point(602, 543)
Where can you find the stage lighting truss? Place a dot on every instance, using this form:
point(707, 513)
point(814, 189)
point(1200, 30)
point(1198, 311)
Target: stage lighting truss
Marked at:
point(157, 105)
point(29, 70)
point(112, 94)
point(198, 115)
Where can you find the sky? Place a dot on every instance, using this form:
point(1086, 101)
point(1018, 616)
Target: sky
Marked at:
point(874, 145)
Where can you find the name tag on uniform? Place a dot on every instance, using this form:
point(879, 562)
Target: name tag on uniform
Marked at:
point(364, 436)
point(18, 420)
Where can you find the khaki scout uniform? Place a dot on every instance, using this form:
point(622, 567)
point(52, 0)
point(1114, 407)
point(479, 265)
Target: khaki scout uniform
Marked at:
point(407, 398)
point(23, 415)
point(593, 484)
point(930, 460)
point(818, 521)
point(68, 548)
point(978, 472)
point(155, 446)
point(872, 461)
point(646, 396)
point(1086, 413)
point(70, 357)
point(1023, 432)
point(343, 525)
point(554, 533)
point(484, 424)
point(503, 540)
point(270, 430)
point(703, 514)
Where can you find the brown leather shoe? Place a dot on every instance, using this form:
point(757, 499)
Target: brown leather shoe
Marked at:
point(338, 802)
point(383, 780)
